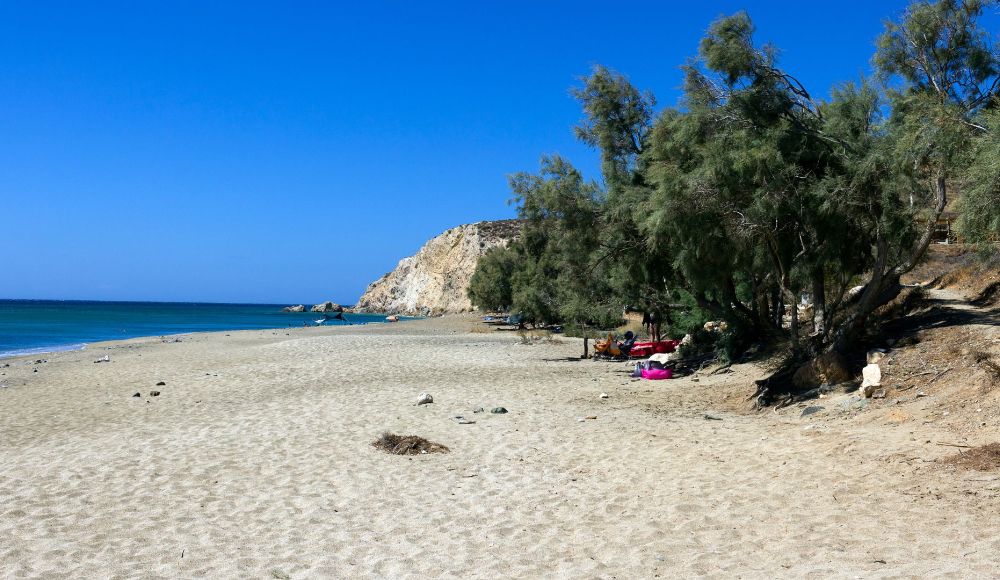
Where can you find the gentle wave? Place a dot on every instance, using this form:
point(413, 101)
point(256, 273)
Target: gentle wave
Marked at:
point(41, 350)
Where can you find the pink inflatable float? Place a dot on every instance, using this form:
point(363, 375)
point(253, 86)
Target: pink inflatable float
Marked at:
point(657, 374)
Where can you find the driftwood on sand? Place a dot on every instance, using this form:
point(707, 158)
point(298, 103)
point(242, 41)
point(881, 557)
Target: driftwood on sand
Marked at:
point(407, 444)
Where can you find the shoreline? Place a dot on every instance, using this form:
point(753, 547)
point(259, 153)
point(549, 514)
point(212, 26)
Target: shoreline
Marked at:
point(78, 346)
point(42, 350)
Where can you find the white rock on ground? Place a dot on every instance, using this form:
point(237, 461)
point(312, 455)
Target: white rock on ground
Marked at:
point(871, 378)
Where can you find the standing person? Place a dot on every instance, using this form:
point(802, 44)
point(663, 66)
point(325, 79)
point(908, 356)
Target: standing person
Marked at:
point(651, 322)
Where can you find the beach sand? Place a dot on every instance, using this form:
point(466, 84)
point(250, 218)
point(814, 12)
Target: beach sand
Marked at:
point(256, 461)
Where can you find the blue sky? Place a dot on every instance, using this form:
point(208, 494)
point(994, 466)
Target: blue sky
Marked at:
point(293, 152)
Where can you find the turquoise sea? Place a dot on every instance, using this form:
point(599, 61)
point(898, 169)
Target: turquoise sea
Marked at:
point(36, 326)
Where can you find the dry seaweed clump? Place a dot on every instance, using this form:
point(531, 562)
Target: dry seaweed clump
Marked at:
point(984, 458)
point(407, 444)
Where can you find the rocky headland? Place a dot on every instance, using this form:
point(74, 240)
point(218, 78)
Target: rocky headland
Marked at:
point(434, 281)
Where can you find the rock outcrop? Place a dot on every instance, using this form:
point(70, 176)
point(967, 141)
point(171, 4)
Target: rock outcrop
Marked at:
point(827, 369)
point(296, 308)
point(435, 280)
point(327, 307)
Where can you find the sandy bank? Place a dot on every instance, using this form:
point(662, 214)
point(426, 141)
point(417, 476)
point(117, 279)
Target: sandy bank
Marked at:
point(255, 461)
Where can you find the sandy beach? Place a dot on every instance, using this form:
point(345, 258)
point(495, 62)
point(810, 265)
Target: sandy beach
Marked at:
point(256, 461)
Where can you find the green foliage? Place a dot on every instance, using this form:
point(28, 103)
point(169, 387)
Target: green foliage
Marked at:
point(751, 193)
point(942, 74)
point(939, 48)
point(756, 190)
point(618, 118)
point(980, 219)
point(555, 279)
point(728, 47)
point(490, 285)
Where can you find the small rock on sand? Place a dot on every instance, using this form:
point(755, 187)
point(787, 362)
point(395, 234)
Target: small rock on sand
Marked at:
point(161, 384)
point(604, 395)
point(874, 356)
point(498, 410)
point(853, 402)
point(154, 393)
point(867, 390)
point(137, 395)
point(424, 398)
point(479, 410)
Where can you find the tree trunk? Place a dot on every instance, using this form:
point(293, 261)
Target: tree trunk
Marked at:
point(779, 307)
point(762, 303)
point(868, 301)
point(884, 285)
point(793, 326)
point(881, 288)
point(819, 302)
point(941, 195)
point(763, 309)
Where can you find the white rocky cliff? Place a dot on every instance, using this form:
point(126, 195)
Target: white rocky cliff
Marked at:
point(434, 280)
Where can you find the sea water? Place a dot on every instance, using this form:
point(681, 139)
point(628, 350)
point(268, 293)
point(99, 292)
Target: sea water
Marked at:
point(37, 326)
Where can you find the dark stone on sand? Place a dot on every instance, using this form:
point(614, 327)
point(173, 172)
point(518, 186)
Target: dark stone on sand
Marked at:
point(161, 384)
point(810, 410)
point(154, 393)
point(137, 395)
point(498, 410)
point(853, 402)
point(479, 410)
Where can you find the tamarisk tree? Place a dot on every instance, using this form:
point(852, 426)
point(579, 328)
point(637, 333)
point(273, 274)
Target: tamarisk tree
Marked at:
point(752, 192)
